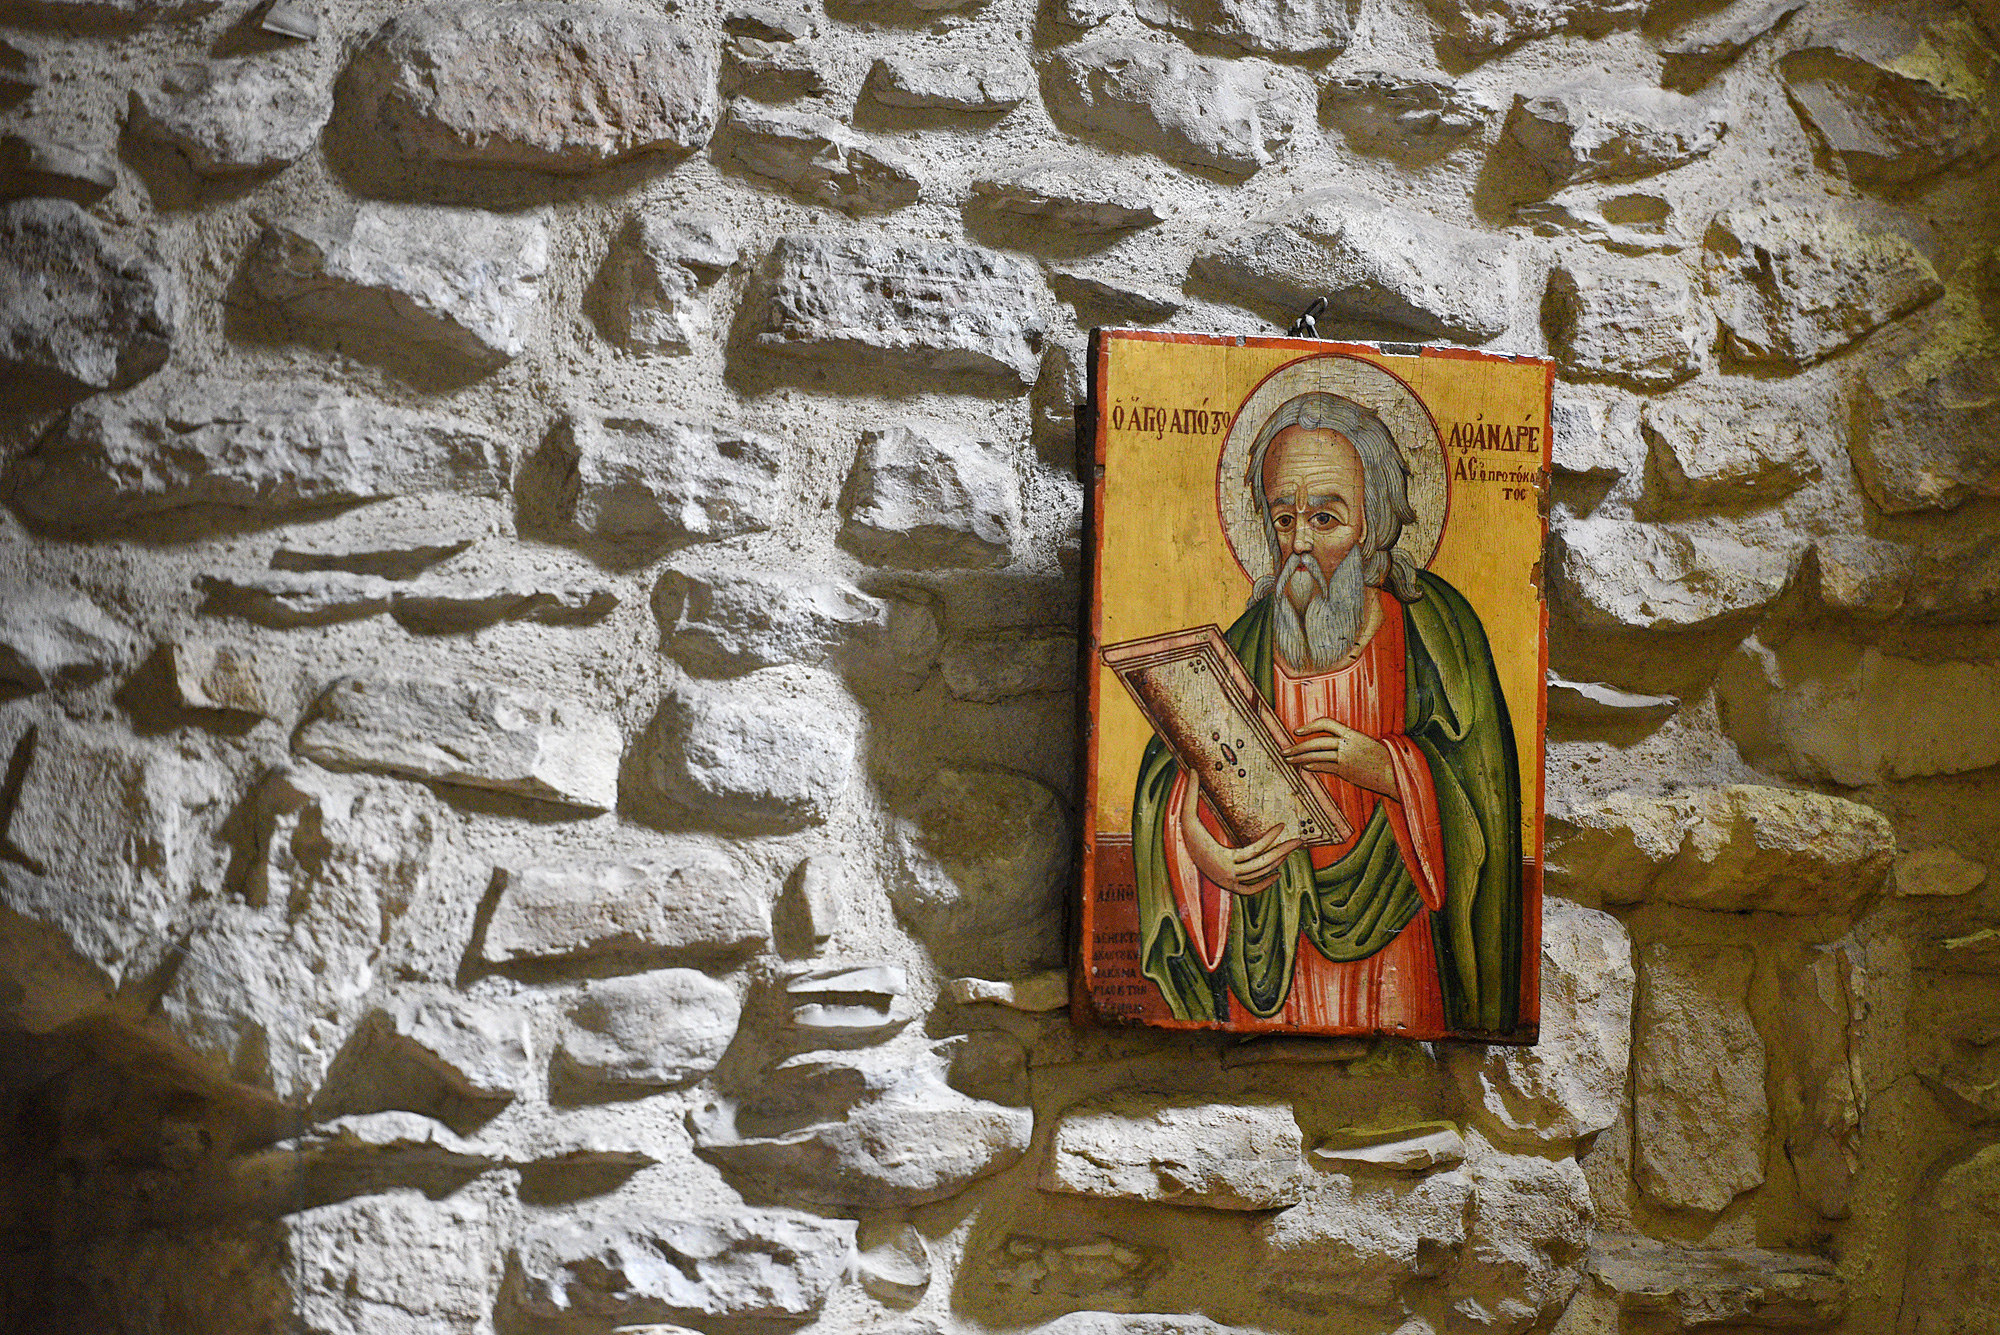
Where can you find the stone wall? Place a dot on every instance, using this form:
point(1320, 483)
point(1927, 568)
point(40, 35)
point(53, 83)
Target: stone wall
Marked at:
point(540, 571)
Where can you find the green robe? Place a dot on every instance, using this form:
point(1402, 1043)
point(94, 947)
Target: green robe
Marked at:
point(1455, 714)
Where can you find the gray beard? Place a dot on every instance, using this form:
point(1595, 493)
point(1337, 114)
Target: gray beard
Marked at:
point(1315, 619)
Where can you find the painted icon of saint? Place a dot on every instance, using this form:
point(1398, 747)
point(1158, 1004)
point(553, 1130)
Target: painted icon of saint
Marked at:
point(1381, 672)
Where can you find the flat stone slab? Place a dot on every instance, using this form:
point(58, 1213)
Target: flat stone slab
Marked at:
point(480, 735)
point(1240, 1156)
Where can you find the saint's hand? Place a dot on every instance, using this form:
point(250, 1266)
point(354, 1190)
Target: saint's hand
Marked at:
point(1242, 871)
point(1331, 747)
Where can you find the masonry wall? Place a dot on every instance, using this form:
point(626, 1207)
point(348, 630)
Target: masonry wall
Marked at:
point(541, 560)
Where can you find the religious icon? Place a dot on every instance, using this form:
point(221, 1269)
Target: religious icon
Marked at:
point(1313, 770)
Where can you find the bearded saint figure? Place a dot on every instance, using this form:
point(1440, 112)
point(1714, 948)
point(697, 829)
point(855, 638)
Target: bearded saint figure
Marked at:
point(1382, 673)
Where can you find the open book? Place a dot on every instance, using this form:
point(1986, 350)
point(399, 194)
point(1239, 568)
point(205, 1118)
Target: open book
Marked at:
point(1205, 708)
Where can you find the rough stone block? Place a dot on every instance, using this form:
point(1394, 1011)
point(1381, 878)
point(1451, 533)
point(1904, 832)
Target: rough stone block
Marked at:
point(647, 296)
point(819, 159)
point(79, 312)
point(743, 1264)
point(652, 482)
point(1631, 320)
point(229, 116)
point(1572, 1082)
point(691, 905)
point(1764, 456)
point(35, 166)
point(930, 497)
point(991, 668)
point(1372, 262)
point(903, 305)
point(533, 85)
point(1078, 194)
point(271, 449)
point(1483, 28)
point(1314, 28)
point(1525, 1238)
point(1405, 113)
point(1360, 1242)
point(1224, 1156)
point(1699, 1287)
point(1229, 116)
point(950, 81)
point(52, 638)
point(478, 1050)
point(749, 760)
point(1941, 870)
point(1793, 283)
point(1699, 1112)
point(1704, 48)
point(1616, 574)
point(1589, 132)
point(282, 600)
point(1403, 1149)
point(471, 733)
point(650, 1030)
point(212, 675)
point(463, 280)
point(397, 1261)
point(723, 622)
point(1916, 104)
point(1926, 426)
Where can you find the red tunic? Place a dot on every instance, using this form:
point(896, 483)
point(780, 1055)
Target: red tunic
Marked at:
point(1395, 989)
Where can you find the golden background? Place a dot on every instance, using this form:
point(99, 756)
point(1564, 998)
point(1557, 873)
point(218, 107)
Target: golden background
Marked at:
point(1165, 565)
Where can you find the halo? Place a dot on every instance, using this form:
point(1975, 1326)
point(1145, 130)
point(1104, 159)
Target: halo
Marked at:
point(1367, 384)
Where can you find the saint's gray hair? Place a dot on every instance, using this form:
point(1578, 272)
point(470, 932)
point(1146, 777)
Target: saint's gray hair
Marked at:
point(1385, 477)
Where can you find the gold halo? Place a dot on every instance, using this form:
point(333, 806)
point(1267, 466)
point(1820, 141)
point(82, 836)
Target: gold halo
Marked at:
point(1375, 389)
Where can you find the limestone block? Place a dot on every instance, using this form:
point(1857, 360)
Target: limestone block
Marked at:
point(398, 1261)
point(1954, 582)
point(1900, 103)
point(1229, 116)
point(1824, 709)
point(904, 306)
point(812, 906)
point(1315, 28)
point(647, 297)
point(34, 166)
point(750, 760)
point(1222, 1156)
point(1080, 195)
point(229, 116)
point(1700, 1115)
point(1763, 456)
point(1638, 221)
point(1526, 1233)
point(773, 70)
point(1743, 848)
point(1822, 1094)
point(1100, 1268)
point(743, 1264)
point(1401, 1149)
point(902, 1138)
point(891, 1261)
point(1038, 992)
point(1704, 48)
point(294, 19)
point(930, 497)
point(274, 449)
point(1926, 431)
point(1793, 283)
point(533, 85)
point(282, 600)
point(268, 989)
point(115, 15)
point(652, 1030)
point(1863, 577)
point(957, 80)
point(480, 1050)
point(819, 159)
point(1637, 321)
point(451, 606)
point(1937, 871)
point(1594, 702)
point(79, 312)
point(990, 668)
point(1572, 1082)
point(1484, 27)
point(1405, 113)
point(985, 863)
point(394, 541)
point(1361, 1241)
point(1699, 1287)
point(689, 905)
point(111, 837)
point(1371, 261)
point(652, 481)
point(465, 732)
point(1591, 132)
point(463, 280)
point(1614, 574)
point(1093, 294)
point(53, 638)
point(719, 621)
point(847, 1006)
point(211, 674)
point(1592, 439)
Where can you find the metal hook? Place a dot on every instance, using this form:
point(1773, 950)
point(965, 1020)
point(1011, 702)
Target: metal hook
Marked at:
point(1306, 326)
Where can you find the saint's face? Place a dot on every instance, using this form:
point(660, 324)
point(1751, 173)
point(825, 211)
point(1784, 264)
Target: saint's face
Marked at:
point(1313, 484)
